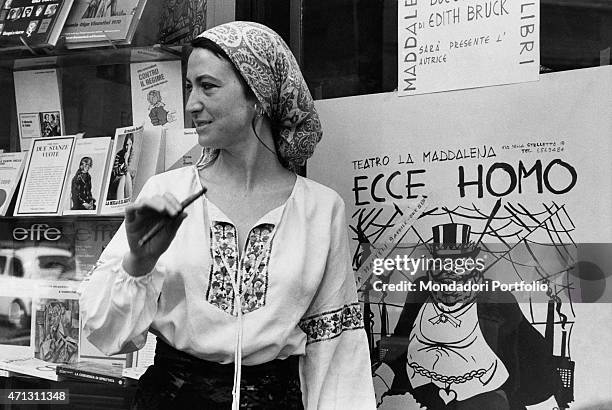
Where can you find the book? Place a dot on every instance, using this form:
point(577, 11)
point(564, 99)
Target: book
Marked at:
point(95, 371)
point(122, 169)
point(30, 366)
point(83, 186)
point(44, 176)
point(98, 23)
point(31, 23)
point(157, 94)
point(182, 148)
point(38, 104)
point(57, 327)
point(11, 168)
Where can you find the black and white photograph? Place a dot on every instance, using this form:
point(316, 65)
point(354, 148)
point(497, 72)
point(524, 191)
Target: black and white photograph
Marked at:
point(364, 205)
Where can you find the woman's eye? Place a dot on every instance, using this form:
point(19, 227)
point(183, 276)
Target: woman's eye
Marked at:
point(207, 86)
point(188, 87)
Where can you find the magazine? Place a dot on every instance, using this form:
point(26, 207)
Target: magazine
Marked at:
point(122, 169)
point(182, 148)
point(83, 185)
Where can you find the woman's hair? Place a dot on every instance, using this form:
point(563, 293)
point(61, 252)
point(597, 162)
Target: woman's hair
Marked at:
point(208, 44)
point(129, 136)
point(85, 160)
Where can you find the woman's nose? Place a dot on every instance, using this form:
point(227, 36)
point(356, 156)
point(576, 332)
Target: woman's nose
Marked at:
point(193, 103)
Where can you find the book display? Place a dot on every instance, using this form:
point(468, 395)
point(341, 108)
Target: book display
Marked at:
point(11, 168)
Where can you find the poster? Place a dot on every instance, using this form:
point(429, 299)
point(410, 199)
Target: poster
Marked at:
point(481, 43)
point(514, 177)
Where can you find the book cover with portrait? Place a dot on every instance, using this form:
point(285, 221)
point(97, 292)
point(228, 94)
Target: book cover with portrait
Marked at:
point(122, 169)
point(83, 185)
point(32, 23)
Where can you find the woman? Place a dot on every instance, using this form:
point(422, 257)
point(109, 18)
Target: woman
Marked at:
point(251, 279)
point(80, 192)
point(120, 186)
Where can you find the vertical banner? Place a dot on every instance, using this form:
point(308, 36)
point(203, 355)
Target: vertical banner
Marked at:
point(449, 45)
point(479, 226)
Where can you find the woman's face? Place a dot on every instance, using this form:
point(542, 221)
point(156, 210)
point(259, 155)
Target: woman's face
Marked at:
point(217, 101)
point(128, 144)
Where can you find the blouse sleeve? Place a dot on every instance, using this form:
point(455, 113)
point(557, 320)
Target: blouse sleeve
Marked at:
point(118, 308)
point(336, 371)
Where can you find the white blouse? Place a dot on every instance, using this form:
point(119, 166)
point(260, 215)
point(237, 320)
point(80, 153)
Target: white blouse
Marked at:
point(296, 286)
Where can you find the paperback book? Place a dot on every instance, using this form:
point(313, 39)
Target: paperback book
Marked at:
point(44, 176)
point(83, 186)
point(123, 168)
point(31, 23)
point(38, 103)
point(182, 148)
point(11, 168)
point(98, 23)
point(95, 371)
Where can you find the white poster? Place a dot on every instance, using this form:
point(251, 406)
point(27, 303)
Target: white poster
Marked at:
point(44, 176)
point(450, 45)
point(182, 148)
point(515, 179)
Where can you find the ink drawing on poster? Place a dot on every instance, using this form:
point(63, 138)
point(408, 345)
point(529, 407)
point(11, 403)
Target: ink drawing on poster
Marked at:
point(157, 94)
point(123, 167)
point(97, 22)
point(83, 186)
point(38, 102)
point(11, 169)
point(481, 43)
point(44, 176)
point(480, 264)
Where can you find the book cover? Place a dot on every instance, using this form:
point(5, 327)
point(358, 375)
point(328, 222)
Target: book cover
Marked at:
point(38, 103)
point(44, 176)
point(157, 94)
point(89, 370)
point(123, 168)
point(182, 148)
point(91, 237)
point(31, 23)
point(11, 168)
point(57, 327)
point(83, 186)
point(100, 21)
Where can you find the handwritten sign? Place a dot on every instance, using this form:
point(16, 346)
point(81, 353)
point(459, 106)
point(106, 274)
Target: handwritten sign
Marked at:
point(456, 44)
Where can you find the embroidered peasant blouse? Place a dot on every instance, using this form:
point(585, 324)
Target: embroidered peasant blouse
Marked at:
point(294, 275)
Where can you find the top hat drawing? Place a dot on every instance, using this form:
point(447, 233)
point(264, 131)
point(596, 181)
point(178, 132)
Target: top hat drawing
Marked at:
point(452, 240)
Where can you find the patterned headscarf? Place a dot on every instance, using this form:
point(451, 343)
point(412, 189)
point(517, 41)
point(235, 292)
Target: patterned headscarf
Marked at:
point(270, 70)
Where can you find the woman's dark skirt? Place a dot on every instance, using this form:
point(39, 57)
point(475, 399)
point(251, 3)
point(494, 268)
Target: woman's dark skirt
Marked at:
point(178, 380)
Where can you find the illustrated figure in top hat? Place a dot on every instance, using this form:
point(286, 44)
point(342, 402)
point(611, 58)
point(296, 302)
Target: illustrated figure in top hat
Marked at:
point(467, 349)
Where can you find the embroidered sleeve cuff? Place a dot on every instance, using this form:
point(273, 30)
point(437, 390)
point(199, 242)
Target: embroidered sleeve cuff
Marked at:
point(331, 324)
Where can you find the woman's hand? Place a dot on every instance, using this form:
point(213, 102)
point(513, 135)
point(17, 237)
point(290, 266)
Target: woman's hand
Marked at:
point(139, 219)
